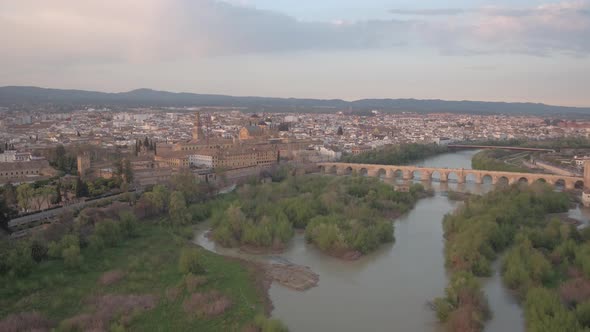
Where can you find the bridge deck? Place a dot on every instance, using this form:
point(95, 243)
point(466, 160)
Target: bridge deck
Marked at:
point(461, 173)
point(515, 148)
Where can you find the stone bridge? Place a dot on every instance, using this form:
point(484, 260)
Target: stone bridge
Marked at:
point(442, 174)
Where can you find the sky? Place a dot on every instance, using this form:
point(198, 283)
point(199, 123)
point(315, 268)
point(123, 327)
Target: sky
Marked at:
point(502, 50)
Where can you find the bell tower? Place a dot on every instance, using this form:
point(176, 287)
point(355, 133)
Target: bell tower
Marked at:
point(586, 192)
point(197, 131)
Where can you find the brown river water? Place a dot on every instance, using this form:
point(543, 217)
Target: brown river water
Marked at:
point(389, 289)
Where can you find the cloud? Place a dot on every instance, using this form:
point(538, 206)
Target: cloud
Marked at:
point(429, 12)
point(561, 27)
point(66, 32)
point(152, 30)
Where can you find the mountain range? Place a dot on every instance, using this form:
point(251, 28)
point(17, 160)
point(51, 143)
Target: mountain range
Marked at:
point(11, 96)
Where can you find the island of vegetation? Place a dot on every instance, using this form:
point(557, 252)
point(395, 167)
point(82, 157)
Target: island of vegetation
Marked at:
point(545, 259)
point(489, 160)
point(396, 154)
point(343, 216)
point(130, 266)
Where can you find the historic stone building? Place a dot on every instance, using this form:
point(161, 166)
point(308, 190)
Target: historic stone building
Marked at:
point(25, 171)
point(255, 148)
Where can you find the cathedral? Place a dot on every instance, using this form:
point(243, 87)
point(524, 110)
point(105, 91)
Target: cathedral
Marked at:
point(252, 147)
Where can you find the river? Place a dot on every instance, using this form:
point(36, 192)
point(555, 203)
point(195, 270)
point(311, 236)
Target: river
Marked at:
point(389, 289)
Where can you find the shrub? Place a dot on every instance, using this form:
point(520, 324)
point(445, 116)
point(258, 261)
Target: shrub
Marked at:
point(56, 248)
point(128, 223)
point(96, 243)
point(269, 325)
point(110, 232)
point(20, 260)
point(190, 261)
point(72, 257)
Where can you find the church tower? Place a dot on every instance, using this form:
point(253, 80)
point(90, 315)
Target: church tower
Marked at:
point(197, 131)
point(586, 192)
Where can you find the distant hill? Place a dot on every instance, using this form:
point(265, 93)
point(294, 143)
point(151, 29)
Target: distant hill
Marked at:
point(34, 96)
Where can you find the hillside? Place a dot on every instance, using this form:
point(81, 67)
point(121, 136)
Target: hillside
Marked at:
point(35, 96)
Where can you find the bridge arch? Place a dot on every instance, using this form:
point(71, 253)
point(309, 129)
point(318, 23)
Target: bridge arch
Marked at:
point(363, 172)
point(394, 173)
point(502, 181)
point(559, 184)
point(332, 169)
point(417, 175)
point(473, 177)
point(487, 179)
point(523, 180)
point(436, 176)
point(381, 173)
point(453, 176)
point(347, 171)
point(579, 184)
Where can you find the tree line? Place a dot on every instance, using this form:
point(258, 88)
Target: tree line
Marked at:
point(396, 154)
point(482, 229)
point(488, 160)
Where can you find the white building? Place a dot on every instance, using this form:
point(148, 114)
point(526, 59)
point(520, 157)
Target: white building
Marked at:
point(12, 156)
point(199, 160)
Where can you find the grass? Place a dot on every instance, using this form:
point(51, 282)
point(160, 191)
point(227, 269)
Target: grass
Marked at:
point(150, 264)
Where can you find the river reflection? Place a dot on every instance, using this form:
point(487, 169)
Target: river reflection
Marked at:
point(389, 289)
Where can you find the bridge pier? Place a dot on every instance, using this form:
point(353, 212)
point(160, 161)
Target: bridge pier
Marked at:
point(426, 176)
point(444, 177)
point(495, 179)
point(341, 171)
point(478, 178)
point(373, 173)
point(408, 175)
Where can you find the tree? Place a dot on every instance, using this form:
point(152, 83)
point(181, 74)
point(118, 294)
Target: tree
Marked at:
point(25, 194)
point(6, 213)
point(58, 193)
point(179, 213)
point(340, 131)
point(544, 312)
point(110, 231)
point(72, 257)
point(81, 188)
point(190, 261)
point(127, 171)
point(9, 193)
point(20, 260)
point(190, 186)
point(44, 196)
point(128, 222)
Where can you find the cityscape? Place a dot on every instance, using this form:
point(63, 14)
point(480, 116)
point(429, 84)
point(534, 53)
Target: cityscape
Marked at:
point(265, 166)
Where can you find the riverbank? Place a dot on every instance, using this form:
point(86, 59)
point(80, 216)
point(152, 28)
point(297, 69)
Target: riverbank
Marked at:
point(138, 286)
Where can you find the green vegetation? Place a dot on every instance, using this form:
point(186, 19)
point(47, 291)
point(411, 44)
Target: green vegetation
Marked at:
point(549, 268)
point(150, 265)
point(557, 144)
point(62, 160)
point(489, 160)
point(485, 227)
point(339, 214)
point(464, 307)
point(396, 154)
point(125, 274)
